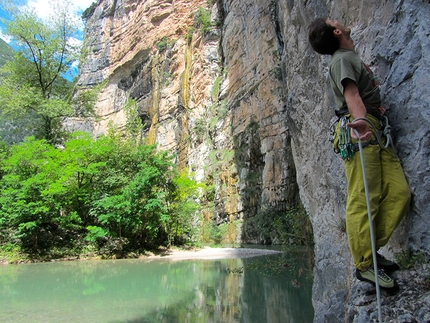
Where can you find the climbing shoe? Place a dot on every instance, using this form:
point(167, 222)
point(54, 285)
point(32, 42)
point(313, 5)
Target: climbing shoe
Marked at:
point(386, 264)
point(385, 281)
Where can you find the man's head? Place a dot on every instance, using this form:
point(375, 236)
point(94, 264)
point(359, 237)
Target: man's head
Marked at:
point(324, 36)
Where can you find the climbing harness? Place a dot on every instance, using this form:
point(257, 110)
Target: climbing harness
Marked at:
point(343, 143)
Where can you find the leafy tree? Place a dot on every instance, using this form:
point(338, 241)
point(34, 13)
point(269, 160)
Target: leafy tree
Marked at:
point(143, 200)
point(82, 163)
point(119, 195)
point(34, 80)
point(136, 209)
point(26, 208)
point(182, 206)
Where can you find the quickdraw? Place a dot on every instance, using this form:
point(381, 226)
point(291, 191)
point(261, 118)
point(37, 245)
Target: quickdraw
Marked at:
point(346, 149)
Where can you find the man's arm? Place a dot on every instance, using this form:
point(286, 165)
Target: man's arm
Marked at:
point(357, 110)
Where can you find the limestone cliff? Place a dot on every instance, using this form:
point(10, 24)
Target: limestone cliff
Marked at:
point(246, 105)
point(215, 98)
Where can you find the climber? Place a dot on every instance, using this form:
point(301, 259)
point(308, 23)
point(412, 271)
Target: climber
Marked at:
point(357, 96)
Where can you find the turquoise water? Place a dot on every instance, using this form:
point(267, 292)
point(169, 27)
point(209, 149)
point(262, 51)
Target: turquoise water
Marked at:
point(275, 288)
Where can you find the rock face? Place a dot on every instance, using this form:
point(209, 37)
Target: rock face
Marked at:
point(246, 105)
point(393, 38)
point(215, 98)
point(358, 304)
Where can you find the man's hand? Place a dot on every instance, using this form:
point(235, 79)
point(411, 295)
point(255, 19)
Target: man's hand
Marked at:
point(362, 128)
point(357, 110)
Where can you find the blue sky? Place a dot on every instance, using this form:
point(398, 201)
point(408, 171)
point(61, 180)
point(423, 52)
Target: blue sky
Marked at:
point(44, 8)
point(3, 14)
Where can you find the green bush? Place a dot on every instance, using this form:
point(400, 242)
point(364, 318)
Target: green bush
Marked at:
point(408, 259)
point(292, 227)
point(189, 35)
point(202, 20)
point(110, 192)
point(163, 44)
point(10, 252)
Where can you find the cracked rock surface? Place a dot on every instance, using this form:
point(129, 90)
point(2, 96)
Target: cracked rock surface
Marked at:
point(410, 304)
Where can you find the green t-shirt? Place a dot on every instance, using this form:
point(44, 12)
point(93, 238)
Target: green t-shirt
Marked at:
point(345, 64)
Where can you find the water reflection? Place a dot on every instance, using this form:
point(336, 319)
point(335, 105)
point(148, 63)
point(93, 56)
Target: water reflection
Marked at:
point(257, 289)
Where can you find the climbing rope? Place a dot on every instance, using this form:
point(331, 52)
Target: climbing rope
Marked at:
point(387, 134)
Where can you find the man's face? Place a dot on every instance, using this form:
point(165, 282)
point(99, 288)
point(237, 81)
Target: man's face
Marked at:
point(345, 30)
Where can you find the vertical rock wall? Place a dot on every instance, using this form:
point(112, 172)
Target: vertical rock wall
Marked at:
point(393, 38)
point(247, 105)
point(254, 93)
point(215, 98)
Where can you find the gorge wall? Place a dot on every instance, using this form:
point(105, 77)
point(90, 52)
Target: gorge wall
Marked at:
point(246, 105)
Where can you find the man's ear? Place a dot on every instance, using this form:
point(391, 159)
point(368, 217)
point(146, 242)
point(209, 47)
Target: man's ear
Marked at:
point(337, 33)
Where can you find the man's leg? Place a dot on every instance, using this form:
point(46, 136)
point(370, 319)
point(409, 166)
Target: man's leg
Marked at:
point(395, 198)
point(357, 223)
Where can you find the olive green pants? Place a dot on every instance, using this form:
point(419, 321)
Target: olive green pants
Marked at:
point(389, 200)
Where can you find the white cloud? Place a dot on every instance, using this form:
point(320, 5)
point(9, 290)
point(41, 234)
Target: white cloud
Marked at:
point(82, 4)
point(6, 38)
point(45, 8)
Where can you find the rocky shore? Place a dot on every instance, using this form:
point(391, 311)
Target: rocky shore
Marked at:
point(410, 305)
point(173, 253)
point(213, 253)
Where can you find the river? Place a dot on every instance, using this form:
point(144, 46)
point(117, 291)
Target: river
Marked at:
point(260, 289)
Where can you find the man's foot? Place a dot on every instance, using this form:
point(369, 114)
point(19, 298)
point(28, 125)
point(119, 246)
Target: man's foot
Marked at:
point(384, 281)
point(386, 264)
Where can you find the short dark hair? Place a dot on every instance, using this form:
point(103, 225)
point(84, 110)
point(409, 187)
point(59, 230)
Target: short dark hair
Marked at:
point(321, 37)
